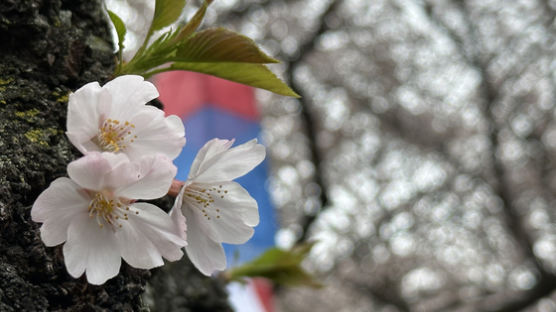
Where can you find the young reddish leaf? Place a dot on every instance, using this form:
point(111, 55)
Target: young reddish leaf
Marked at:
point(220, 45)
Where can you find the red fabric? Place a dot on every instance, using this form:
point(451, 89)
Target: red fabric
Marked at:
point(183, 93)
point(263, 288)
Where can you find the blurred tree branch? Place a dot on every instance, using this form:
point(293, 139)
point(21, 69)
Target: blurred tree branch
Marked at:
point(310, 125)
point(499, 57)
point(238, 12)
point(382, 295)
point(385, 295)
point(550, 13)
point(489, 93)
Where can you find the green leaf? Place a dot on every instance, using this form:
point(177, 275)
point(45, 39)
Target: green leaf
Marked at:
point(220, 45)
point(218, 52)
point(194, 22)
point(165, 13)
point(255, 75)
point(120, 30)
point(281, 266)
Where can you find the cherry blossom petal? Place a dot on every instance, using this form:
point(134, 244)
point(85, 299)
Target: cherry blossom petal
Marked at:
point(156, 133)
point(148, 236)
point(147, 178)
point(91, 249)
point(209, 150)
point(217, 164)
point(129, 93)
point(153, 177)
point(207, 255)
point(86, 107)
point(177, 215)
point(123, 172)
point(230, 218)
point(241, 202)
point(93, 171)
point(56, 207)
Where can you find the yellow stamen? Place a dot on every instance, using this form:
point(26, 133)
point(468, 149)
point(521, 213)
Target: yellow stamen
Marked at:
point(203, 199)
point(108, 211)
point(113, 137)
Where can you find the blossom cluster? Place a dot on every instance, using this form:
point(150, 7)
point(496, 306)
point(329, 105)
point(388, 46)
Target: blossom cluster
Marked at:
point(128, 149)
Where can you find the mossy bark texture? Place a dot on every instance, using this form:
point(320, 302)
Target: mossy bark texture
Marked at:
point(47, 49)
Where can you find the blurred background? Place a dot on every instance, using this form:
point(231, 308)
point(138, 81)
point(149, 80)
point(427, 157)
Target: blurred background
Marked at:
point(421, 156)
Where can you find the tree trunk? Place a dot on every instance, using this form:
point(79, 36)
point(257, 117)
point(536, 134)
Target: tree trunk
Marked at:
point(47, 49)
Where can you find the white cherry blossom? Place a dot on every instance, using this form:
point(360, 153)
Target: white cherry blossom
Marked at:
point(114, 118)
point(217, 210)
point(95, 213)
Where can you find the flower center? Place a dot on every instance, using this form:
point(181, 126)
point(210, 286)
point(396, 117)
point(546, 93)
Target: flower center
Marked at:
point(114, 135)
point(108, 211)
point(202, 198)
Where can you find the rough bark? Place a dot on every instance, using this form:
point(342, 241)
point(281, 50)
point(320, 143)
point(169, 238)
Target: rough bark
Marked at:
point(47, 49)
